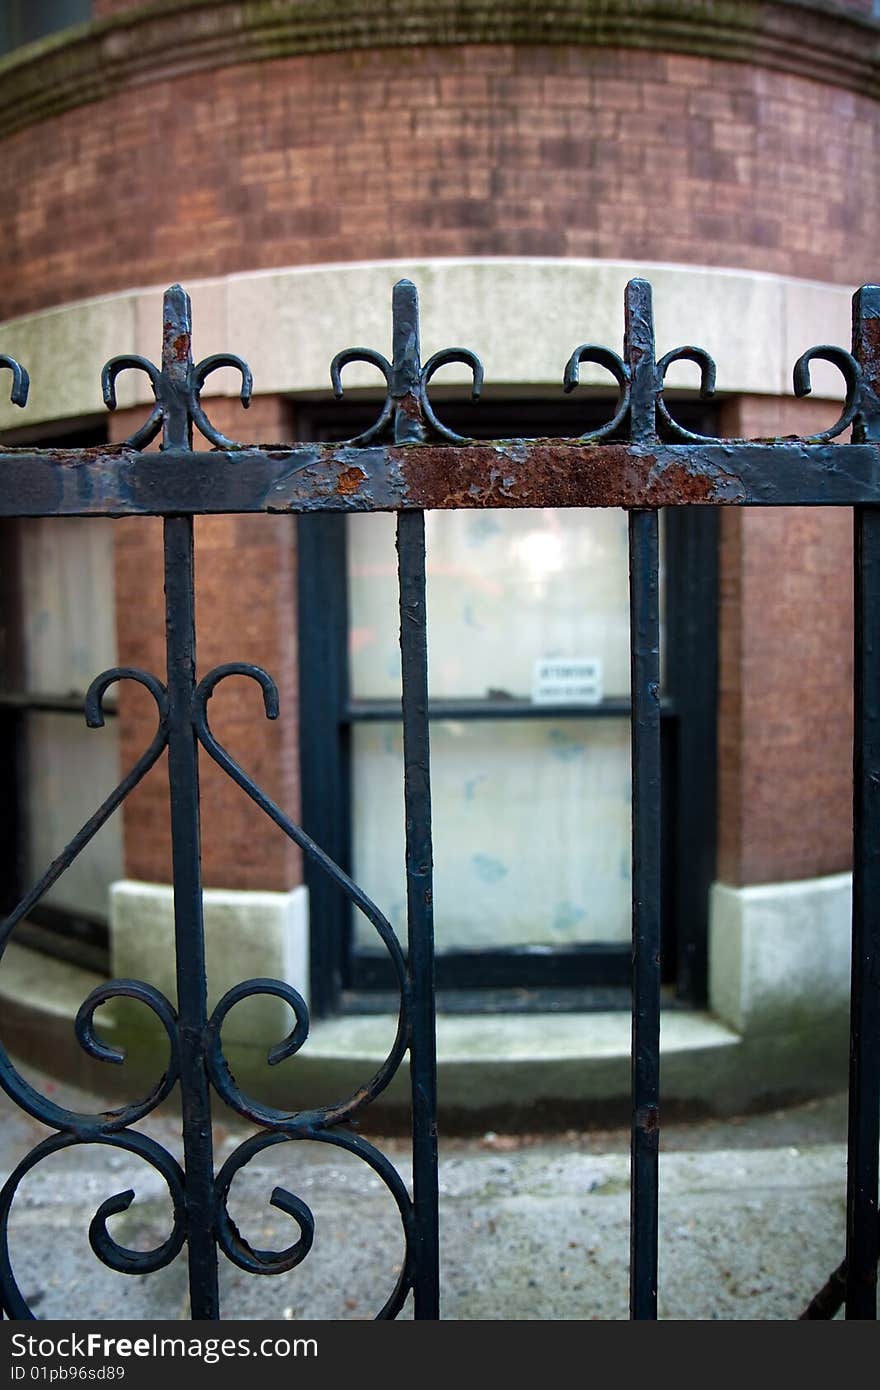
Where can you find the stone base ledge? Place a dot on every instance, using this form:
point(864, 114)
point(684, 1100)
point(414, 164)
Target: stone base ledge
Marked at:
point(247, 935)
point(779, 954)
point(779, 971)
point(552, 1070)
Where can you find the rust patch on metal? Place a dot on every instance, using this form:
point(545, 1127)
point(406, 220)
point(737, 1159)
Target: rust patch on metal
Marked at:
point(648, 1119)
point(350, 480)
point(552, 473)
point(869, 333)
point(539, 473)
point(677, 484)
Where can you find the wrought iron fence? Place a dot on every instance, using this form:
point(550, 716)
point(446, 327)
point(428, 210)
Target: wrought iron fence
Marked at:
point(406, 462)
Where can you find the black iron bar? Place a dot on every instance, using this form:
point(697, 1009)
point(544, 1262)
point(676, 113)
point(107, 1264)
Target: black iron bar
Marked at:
point(644, 589)
point(864, 1077)
point(189, 934)
point(420, 909)
point(388, 711)
point(183, 778)
point(646, 901)
point(864, 1080)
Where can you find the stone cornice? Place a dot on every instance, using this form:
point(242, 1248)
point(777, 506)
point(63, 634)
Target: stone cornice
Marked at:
point(176, 37)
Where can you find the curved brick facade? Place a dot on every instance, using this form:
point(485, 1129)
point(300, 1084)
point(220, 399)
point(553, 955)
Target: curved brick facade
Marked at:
point(423, 152)
point(490, 149)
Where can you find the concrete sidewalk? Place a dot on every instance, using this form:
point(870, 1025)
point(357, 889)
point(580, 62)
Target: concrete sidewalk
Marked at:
point(532, 1226)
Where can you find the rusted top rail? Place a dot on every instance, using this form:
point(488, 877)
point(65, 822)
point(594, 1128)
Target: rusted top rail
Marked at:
point(121, 481)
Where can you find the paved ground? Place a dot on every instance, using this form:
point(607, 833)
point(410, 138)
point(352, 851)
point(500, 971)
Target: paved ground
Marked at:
point(533, 1226)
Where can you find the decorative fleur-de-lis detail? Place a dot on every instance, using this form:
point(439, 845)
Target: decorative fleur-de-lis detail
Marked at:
point(639, 375)
point(177, 387)
point(406, 407)
point(20, 380)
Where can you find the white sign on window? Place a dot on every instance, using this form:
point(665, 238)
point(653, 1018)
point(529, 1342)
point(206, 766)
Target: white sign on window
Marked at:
point(567, 681)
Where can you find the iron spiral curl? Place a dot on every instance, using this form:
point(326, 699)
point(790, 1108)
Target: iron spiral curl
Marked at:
point(245, 1256)
point(852, 375)
point(18, 392)
point(115, 1256)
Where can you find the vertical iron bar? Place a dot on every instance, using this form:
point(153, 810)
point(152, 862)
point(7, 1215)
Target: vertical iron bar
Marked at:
point(645, 667)
point(325, 765)
point(420, 908)
point(690, 641)
point(864, 1073)
point(406, 364)
point(646, 823)
point(183, 777)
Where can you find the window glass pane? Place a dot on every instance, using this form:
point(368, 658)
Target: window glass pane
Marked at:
point(69, 770)
point(505, 590)
point(68, 619)
point(531, 831)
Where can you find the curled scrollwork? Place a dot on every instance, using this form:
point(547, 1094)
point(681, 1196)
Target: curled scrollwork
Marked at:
point(852, 375)
point(600, 357)
point(200, 372)
point(18, 392)
point(111, 370)
point(104, 1052)
point(219, 1070)
point(707, 368)
point(230, 1239)
point(86, 1126)
point(246, 1257)
point(218, 1067)
point(114, 1255)
point(374, 359)
point(433, 364)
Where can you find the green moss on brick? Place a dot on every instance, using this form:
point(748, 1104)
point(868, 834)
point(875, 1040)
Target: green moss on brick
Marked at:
point(91, 62)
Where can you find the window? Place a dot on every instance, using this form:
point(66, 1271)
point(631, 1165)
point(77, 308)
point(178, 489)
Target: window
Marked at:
point(57, 632)
point(531, 804)
point(23, 21)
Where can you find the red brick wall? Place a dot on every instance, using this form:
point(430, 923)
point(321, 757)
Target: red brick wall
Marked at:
point(785, 678)
point(440, 152)
point(246, 607)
